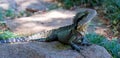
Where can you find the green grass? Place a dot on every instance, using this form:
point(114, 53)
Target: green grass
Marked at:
point(112, 12)
point(113, 47)
point(6, 35)
point(86, 3)
point(10, 13)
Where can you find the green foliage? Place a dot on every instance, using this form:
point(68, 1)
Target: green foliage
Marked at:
point(92, 38)
point(6, 13)
point(6, 35)
point(1, 14)
point(24, 14)
point(112, 12)
point(66, 3)
point(71, 3)
point(112, 46)
point(10, 13)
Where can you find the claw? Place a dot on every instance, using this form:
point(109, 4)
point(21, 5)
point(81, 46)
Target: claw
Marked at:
point(79, 48)
point(76, 47)
point(85, 42)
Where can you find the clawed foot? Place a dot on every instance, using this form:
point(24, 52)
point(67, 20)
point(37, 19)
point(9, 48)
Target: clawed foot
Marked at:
point(85, 42)
point(76, 47)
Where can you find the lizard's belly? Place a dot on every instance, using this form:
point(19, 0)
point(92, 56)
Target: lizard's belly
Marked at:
point(64, 41)
point(64, 37)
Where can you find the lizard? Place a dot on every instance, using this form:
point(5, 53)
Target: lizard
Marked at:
point(72, 35)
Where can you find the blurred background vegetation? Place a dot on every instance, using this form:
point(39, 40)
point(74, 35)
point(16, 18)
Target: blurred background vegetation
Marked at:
point(112, 46)
point(108, 9)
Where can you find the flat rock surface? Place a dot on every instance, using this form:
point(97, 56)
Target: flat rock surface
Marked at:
point(50, 50)
point(41, 22)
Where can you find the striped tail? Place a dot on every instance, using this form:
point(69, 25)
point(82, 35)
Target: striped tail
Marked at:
point(26, 38)
point(13, 40)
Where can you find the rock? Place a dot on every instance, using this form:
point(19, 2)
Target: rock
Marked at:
point(50, 50)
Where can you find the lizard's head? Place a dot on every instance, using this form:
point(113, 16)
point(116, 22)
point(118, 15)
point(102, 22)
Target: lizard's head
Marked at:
point(79, 17)
point(81, 14)
point(82, 19)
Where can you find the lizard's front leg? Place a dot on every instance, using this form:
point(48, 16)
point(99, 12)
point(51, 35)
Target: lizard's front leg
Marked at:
point(80, 39)
point(77, 43)
point(75, 46)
